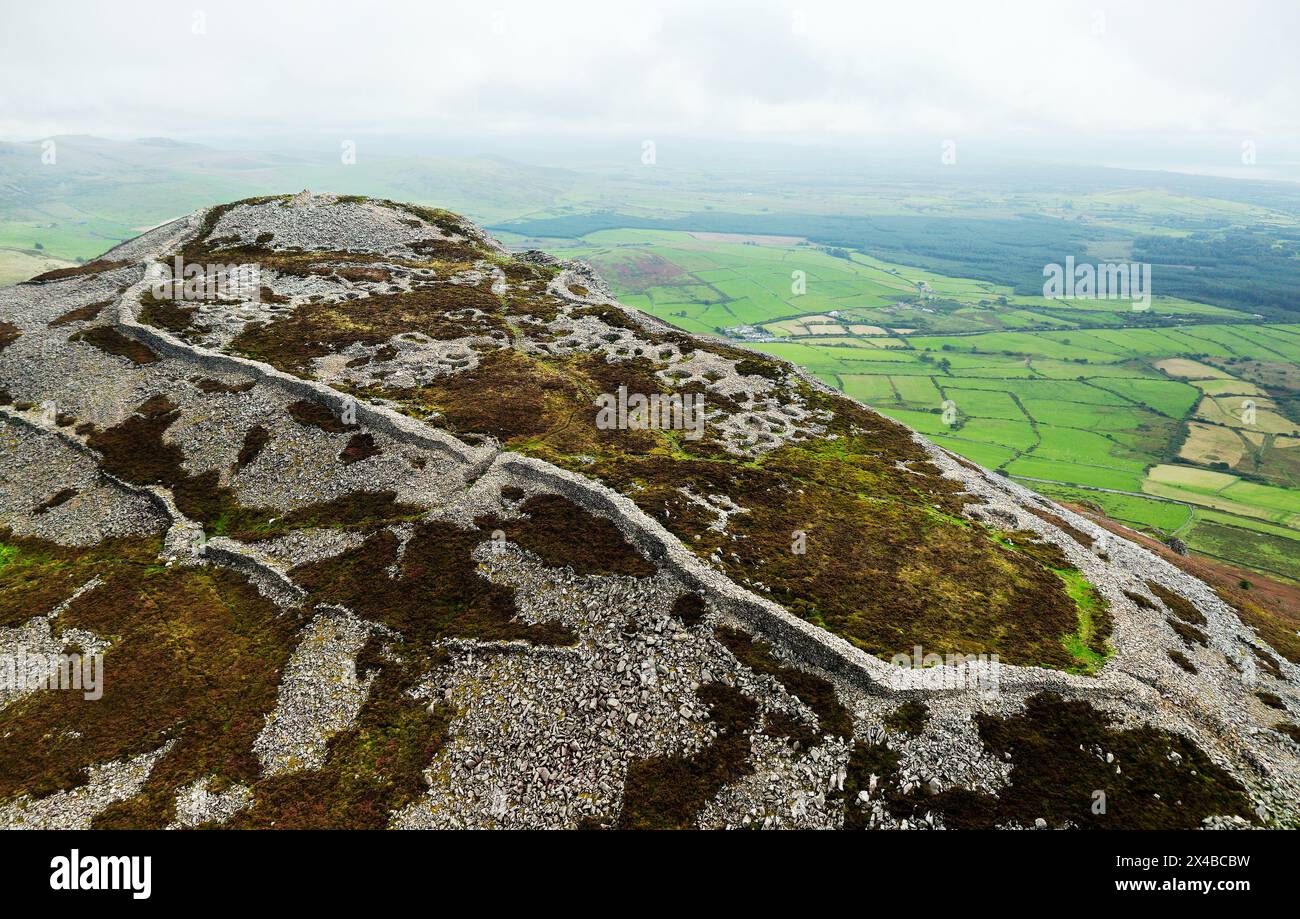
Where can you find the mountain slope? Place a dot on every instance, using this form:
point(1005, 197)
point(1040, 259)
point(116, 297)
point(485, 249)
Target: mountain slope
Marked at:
point(411, 576)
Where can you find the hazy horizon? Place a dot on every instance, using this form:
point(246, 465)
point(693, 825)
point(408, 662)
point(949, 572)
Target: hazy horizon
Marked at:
point(1174, 86)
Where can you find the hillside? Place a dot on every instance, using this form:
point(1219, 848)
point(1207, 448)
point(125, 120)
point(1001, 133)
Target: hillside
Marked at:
point(360, 550)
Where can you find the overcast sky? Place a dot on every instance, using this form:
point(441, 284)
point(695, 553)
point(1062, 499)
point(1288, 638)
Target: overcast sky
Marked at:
point(807, 72)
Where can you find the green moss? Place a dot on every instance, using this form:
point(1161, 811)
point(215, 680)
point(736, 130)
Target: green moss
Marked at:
point(1087, 644)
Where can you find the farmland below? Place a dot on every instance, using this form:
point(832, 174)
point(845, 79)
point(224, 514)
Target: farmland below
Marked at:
point(1178, 419)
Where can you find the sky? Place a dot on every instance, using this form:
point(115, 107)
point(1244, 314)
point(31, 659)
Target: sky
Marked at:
point(1107, 81)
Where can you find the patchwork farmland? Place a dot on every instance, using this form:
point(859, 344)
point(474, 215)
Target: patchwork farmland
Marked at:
point(1178, 419)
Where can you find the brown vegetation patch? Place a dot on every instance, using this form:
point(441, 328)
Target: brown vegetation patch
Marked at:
point(1179, 606)
point(814, 691)
point(1057, 749)
point(9, 333)
point(1064, 525)
point(211, 386)
point(111, 341)
point(668, 792)
point(313, 414)
point(255, 439)
point(62, 496)
point(1271, 699)
point(77, 271)
point(563, 534)
point(1190, 634)
point(80, 314)
point(437, 592)
point(166, 314)
point(689, 608)
point(372, 769)
point(360, 446)
point(910, 718)
point(195, 657)
point(134, 450)
point(1179, 658)
point(1269, 606)
point(441, 311)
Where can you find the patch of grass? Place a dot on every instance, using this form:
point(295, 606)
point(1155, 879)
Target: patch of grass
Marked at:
point(1087, 644)
point(316, 329)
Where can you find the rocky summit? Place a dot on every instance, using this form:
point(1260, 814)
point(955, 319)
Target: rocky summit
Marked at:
point(322, 511)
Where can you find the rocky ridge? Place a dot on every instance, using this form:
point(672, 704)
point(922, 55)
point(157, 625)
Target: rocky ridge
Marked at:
point(549, 685)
